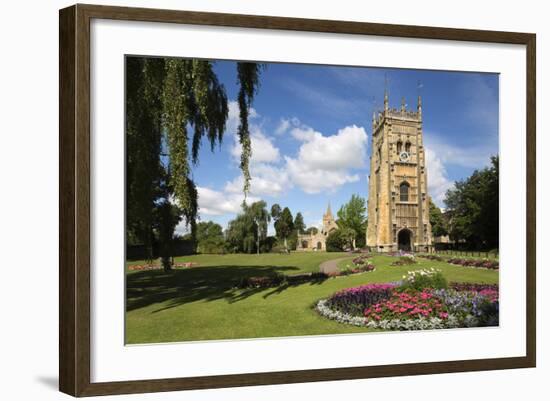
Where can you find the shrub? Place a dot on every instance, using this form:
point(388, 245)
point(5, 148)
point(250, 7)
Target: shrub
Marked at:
point(336, 242)
point(425, 278)
point(404, 260)
point(211, 246)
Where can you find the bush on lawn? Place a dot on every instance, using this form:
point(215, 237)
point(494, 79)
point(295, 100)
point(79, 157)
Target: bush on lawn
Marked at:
point(404, 260)
point(425, 278)
point(336, 242)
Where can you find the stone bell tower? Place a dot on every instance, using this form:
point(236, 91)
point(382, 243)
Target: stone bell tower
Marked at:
point(398, 205)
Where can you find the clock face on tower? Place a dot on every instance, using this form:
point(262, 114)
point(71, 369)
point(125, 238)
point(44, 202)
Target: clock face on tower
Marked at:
point(404, 156)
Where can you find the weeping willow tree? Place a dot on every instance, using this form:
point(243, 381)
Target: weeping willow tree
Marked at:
point(172, 107)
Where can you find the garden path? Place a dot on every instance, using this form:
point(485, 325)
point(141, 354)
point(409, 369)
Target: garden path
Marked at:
point(330, 266)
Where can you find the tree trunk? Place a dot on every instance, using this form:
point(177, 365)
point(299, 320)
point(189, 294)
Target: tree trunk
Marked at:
point(286, 246)
point(258, 241)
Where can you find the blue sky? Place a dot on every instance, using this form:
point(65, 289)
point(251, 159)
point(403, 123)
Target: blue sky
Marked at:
point(311, 127)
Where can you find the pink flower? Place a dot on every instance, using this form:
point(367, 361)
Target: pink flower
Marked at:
point(443, 315)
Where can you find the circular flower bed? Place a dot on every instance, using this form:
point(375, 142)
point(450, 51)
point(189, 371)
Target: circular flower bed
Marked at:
point(393, 306)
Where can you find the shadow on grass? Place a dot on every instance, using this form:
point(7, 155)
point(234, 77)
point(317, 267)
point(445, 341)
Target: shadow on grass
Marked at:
point(207, 283)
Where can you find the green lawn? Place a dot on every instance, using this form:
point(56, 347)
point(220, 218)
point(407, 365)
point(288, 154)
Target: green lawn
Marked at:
point(201, 303)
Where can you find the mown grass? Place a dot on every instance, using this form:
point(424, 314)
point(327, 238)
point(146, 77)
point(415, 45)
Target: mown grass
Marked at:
point(202, 303)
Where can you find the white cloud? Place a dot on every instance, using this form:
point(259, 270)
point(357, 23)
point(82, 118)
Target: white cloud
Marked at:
point(346, 149)
point(323, 162)
point(215, 203)
point(266, 180)
point(315, 180)
point(232, 124)
point(263, 149)
point(438, 182)
point(283, 126)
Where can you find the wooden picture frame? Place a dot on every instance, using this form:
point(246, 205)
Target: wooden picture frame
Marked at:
point(74, 203)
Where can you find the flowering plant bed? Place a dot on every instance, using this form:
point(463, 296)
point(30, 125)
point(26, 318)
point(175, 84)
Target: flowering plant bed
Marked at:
point(281, 279)
point(361, 264)
point(404, 259)
point(393, 306)
point(479, 263)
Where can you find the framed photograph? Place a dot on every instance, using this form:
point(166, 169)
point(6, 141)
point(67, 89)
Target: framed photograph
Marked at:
point(250, 200)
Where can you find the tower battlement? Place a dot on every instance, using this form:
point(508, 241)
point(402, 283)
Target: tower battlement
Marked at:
point(402, 113)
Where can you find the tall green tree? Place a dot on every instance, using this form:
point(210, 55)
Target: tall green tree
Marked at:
point(260, 216)
point(473, 208)
point(246, 232)
point(144, 170)
point(438, 223)
point(275, 211)
point(299, 224)
point(352, 215)
point(209, 237)
point(172, 104)
point(284, 226)
point(240, 234)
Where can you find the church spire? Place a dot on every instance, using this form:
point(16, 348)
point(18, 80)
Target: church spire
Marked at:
point(329, 212)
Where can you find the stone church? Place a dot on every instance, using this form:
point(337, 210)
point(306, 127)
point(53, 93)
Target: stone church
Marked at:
point(317, 242)
point(398, 203)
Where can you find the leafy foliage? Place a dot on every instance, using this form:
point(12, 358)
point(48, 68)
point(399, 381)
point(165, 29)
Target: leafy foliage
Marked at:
point(473, 208)
point(299, 224)
point(337, 241)
point(246, 232)
point(172, 104)
point(437, 221)
point(284, 223)
point(210, 237)
point(312, 230)
point(352, 216)
point(249, 78)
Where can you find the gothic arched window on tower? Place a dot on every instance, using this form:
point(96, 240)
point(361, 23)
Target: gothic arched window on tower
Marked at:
point(408, 147)
point(404, 192)
point(399, 147)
